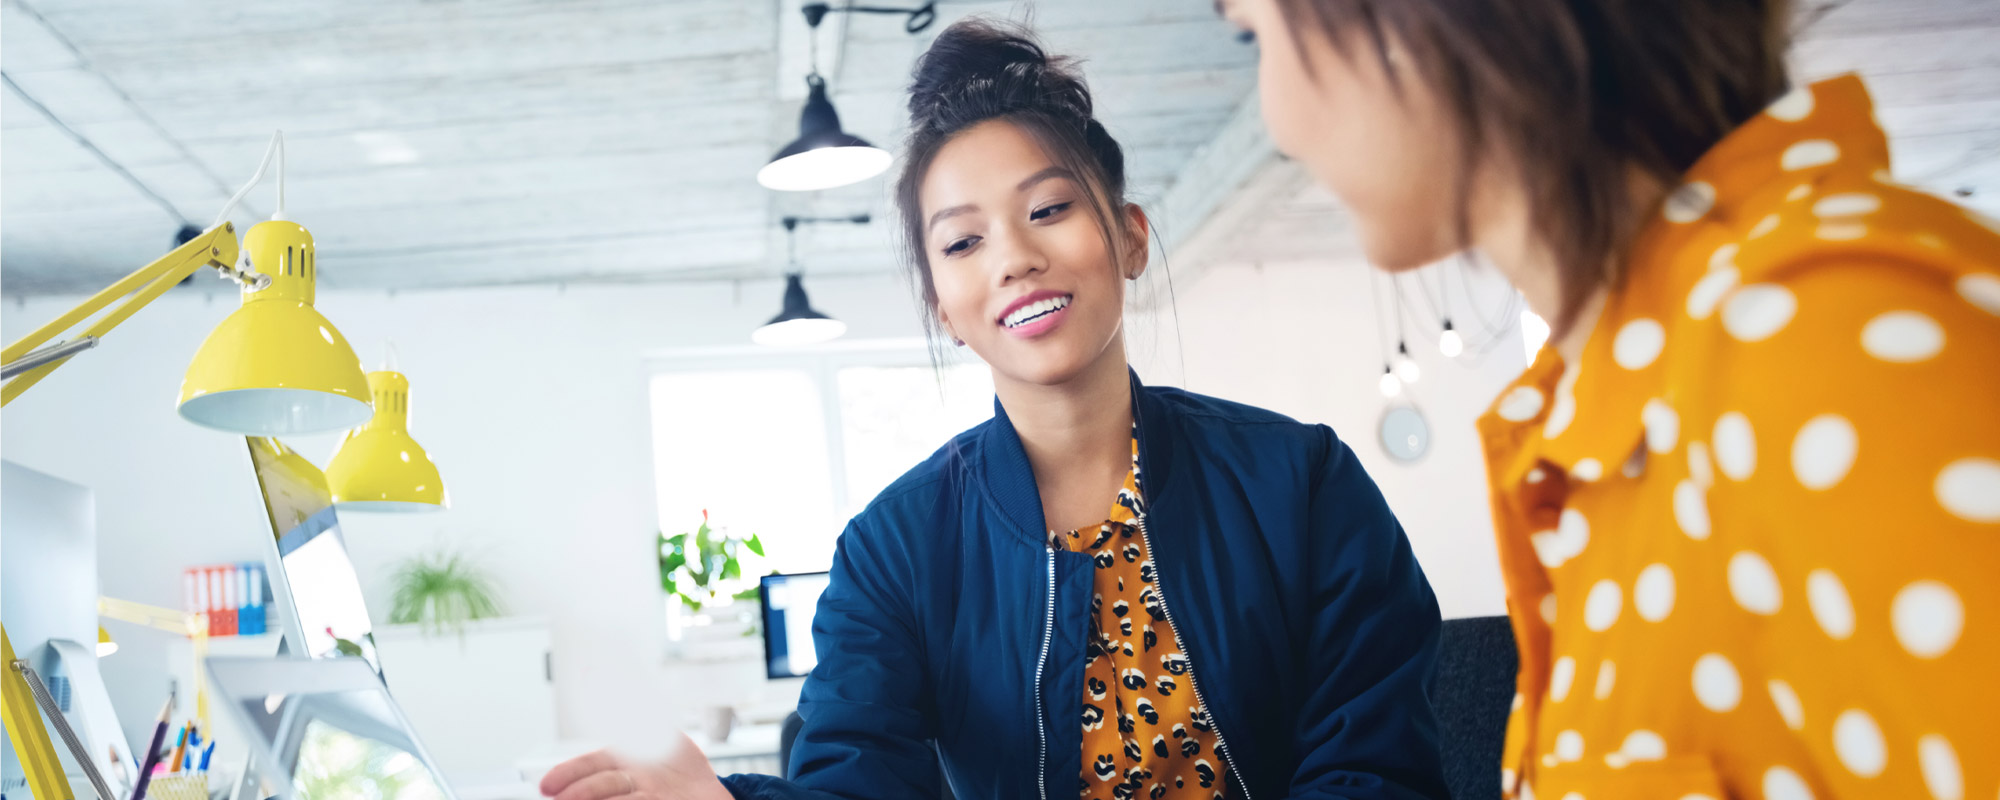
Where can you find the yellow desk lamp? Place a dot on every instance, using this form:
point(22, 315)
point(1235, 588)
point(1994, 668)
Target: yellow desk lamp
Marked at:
point(274, 366)
point(378, 466)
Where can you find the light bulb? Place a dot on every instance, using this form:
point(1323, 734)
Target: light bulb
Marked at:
point(1391, 386)
point(1449, 342)
point(1406, 367)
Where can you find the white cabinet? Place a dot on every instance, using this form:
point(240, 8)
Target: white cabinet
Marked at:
point(482, 701)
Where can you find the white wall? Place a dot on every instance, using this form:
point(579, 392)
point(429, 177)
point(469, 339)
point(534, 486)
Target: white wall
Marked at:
point(533, 401)
point(1301, 339)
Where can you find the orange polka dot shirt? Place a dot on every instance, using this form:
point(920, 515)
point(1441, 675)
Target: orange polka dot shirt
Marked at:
point(1145, 733)
point(1751, 539)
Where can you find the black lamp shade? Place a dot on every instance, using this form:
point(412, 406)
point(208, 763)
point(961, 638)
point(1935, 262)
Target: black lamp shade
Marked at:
point(797, 322)
point(796, 304)
point(824, 156)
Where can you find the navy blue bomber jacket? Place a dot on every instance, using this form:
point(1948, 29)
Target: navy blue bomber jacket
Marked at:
point(951, 630)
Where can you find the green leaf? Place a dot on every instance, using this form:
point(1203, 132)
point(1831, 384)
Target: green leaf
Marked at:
point(731, 569)
point(747, 594)
point(755, 544)
point(441, 590)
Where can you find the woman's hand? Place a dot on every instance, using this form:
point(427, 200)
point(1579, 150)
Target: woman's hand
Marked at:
point(684, 774)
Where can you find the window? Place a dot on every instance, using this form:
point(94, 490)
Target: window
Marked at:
point(891, 418)
point(789, 445)
point(749, 447)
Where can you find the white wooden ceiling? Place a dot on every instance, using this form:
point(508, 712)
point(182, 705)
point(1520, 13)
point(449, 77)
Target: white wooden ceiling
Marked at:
point(439, 143)
point(474, 142)
point(1933, 67)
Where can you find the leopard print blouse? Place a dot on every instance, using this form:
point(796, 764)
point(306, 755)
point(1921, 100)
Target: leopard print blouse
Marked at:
point(1145, 734)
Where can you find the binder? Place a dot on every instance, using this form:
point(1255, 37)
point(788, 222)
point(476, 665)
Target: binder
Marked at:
point(205, 577)
point(230, 592)
point(250, 611)
point(230, 595)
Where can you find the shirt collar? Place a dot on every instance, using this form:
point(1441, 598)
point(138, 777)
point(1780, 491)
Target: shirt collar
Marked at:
point(1597, 411)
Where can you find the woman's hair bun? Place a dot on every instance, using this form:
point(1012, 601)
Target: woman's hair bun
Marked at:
point(978, 69)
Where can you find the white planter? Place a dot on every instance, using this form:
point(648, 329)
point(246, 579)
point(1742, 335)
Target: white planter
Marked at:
point(716, 633)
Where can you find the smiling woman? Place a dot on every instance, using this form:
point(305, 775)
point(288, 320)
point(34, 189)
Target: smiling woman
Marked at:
point(1134, 591)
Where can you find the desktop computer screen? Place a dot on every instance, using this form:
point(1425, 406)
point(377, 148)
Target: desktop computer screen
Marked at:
point(789, 602)
point(48, 601)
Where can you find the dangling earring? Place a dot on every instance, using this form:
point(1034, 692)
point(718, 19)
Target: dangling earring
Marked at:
point(959, 342)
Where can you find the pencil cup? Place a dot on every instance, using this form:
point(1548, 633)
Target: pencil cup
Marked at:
point(179, 786)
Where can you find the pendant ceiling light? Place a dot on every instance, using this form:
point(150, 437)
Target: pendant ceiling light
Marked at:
point(825, 156)
point(798, 323)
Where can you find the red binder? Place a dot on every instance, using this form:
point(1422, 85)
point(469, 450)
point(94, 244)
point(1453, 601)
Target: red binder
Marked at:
point(229, 604)
point(212, 599)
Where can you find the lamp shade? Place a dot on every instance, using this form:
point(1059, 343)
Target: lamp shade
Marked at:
point(824, 156)
point(275, 365)
point(378, 466)
point(105, 646)
point(798, 323)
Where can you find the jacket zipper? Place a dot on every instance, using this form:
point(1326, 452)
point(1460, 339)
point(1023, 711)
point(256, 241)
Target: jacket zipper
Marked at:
point(1041, 664)
point(1221, 742)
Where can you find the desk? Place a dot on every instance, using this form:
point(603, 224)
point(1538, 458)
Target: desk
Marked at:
point(751, 748)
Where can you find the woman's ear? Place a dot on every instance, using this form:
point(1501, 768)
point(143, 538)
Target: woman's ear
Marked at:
point(944, 324)
point(1138, 231)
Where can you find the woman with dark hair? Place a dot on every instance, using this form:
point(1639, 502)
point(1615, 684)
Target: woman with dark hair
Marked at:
point(1112, 590)
point(1748, 498)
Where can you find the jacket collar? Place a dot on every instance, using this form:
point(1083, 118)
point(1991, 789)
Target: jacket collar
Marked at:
point(1002, 468)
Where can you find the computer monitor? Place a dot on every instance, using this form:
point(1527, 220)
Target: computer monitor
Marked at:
point(326, 729)
point(789, 602)
point(48, 600)
point(315, 590)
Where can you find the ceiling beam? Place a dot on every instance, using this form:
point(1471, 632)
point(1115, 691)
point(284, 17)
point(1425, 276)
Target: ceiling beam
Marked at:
point(1210, 197)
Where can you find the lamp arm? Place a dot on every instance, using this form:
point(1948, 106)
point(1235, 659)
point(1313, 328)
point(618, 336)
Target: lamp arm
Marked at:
point(216, 246)
point(191, 625)
point(181, 623)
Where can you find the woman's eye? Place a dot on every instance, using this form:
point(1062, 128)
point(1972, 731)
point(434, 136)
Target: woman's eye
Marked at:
point(1048, 211)
point(960, 245)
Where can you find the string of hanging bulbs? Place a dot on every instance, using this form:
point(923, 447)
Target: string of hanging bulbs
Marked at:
point(1399, 367)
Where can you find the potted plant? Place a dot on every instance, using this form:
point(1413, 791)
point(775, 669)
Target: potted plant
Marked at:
point(441, 590)
point(704, 568)
point(700, 571)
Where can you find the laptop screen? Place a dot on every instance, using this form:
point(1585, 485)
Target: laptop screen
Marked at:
point(318, 579)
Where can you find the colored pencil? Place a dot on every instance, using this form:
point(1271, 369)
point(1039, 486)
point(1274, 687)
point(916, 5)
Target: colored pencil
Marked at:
point(180, 752)
point(152, 758)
